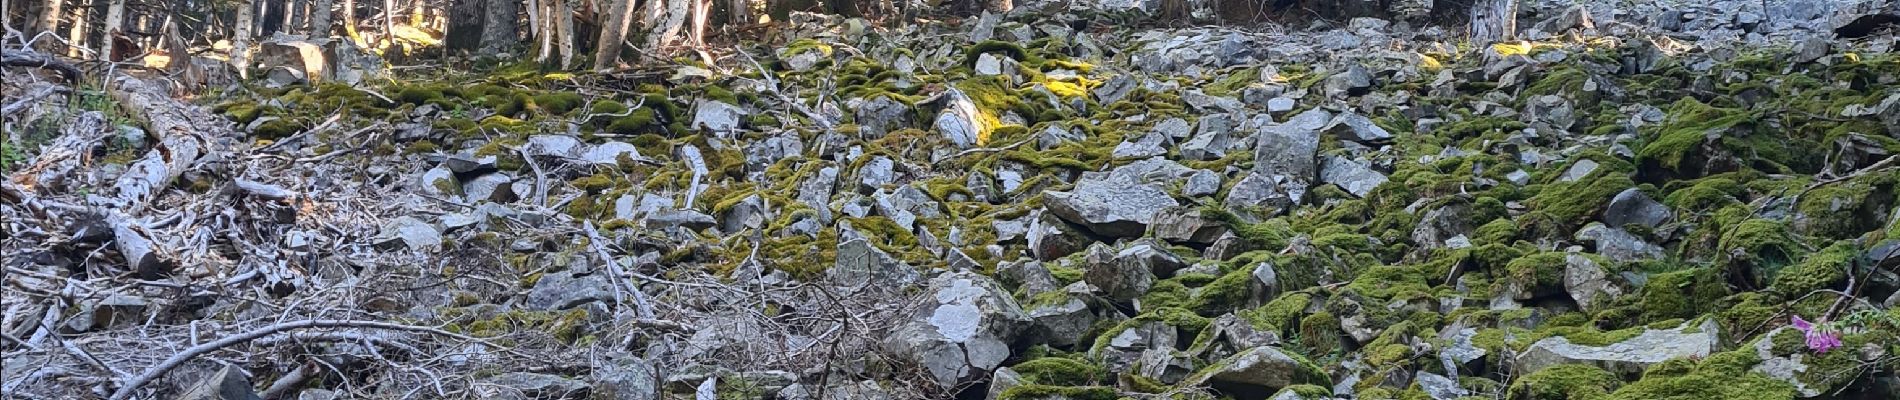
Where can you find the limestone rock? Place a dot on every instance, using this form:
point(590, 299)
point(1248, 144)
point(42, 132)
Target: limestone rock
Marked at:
point(961, 330)
point(1110, 207)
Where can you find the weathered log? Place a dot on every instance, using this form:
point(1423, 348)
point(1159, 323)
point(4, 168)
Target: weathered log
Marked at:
point(185, 136)
point(59, 158)
point(22, 58)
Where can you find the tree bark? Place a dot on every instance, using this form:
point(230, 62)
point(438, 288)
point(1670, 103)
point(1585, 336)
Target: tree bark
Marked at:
point(115, 21)
point(613, 31)
point(320, 19)
point(290, 16)
point(465, 25)
point(241, 40)
point(702, 11)
point(498, 26)
point(1493, 21)
point(389, 21)
point(76, 36)
point(564, 31)
point(49, 22)
point(673, 17)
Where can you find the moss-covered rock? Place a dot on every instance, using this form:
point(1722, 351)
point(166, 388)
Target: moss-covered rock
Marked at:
point(1564, 382)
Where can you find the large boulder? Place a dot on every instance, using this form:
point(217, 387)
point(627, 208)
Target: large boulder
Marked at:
point(1353, 176)
point(1629, 357)
point(1114, 206)
point(1119, 279)
point(1186, 225)
point(529, 385)
point(960, 330)
point(1291, 148)
point(960, 120)
point(228, 383)
point(1259, 372)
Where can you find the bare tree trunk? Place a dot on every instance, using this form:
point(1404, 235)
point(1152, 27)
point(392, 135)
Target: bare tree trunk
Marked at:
point(115, 20)
point(668, 29)
point(76, 36)
point(613, 31)
point(498, 26)
point(544, 27)
point(290, 17)
point(564, 31)
point(1493, 20)
point(534, 20)
point(739, 12)
point(702, 11)
point(320, 19)
point(49, 22)
point(241, 41)
point(389, 21)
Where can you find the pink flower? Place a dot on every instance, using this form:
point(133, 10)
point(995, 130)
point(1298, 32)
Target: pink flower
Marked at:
point(1820, 339)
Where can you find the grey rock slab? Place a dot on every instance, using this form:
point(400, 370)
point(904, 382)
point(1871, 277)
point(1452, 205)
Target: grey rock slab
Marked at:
point(1357, 128)
point(1263, 369)
point(1356, 178)
point(565, 289)
point(1631, 206)
point(1186, 225)
point(1628, 357)
point(228, 383)
point(960, 330)
point(609, 153)
point(1110, 207)
point(1291, 148)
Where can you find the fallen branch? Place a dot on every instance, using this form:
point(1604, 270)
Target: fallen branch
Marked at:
point(23, 58)
point(179, 359)
point(31, 97)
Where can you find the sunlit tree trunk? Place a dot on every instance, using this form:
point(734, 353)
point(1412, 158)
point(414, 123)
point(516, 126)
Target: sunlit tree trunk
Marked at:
point(115, 20)
point(49, 22)
point(564, 31)
point(241, 40)
point(76, 36)
point(702, 11)
point(613, 32)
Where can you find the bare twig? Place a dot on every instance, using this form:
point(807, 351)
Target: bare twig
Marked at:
point(176, 360)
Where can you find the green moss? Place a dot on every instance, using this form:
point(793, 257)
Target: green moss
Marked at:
point(1757, 249)
point(1045, 392)
point(1320, 332)
point(557, 103)
point(1224, 293)
point(277, 128)
point(1846, 210)
point(1681, 294)
point(1541, 273)
point(1564, 382)
point(418, 95)
point(1305, 391)
point(1281, 315)
point(1698, 139)
point(1821, 270)
point(1058, 371)
point(1565, 205)
point(1723, 376)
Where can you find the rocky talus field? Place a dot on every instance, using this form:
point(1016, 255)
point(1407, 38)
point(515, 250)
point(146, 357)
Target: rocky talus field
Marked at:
point(1632, 200)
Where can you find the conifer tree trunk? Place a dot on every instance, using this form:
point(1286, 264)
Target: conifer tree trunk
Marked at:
point(1493, 20)
point(613, 31)
point(498, 26)
point(115, 20)
point(76, 36)
point(564, 31)
point(49, 22)
point(320, 19)
point(241, 40)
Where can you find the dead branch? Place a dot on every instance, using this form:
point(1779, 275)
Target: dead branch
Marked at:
point(179, 359)
point(31, 97)
point(26, 58)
